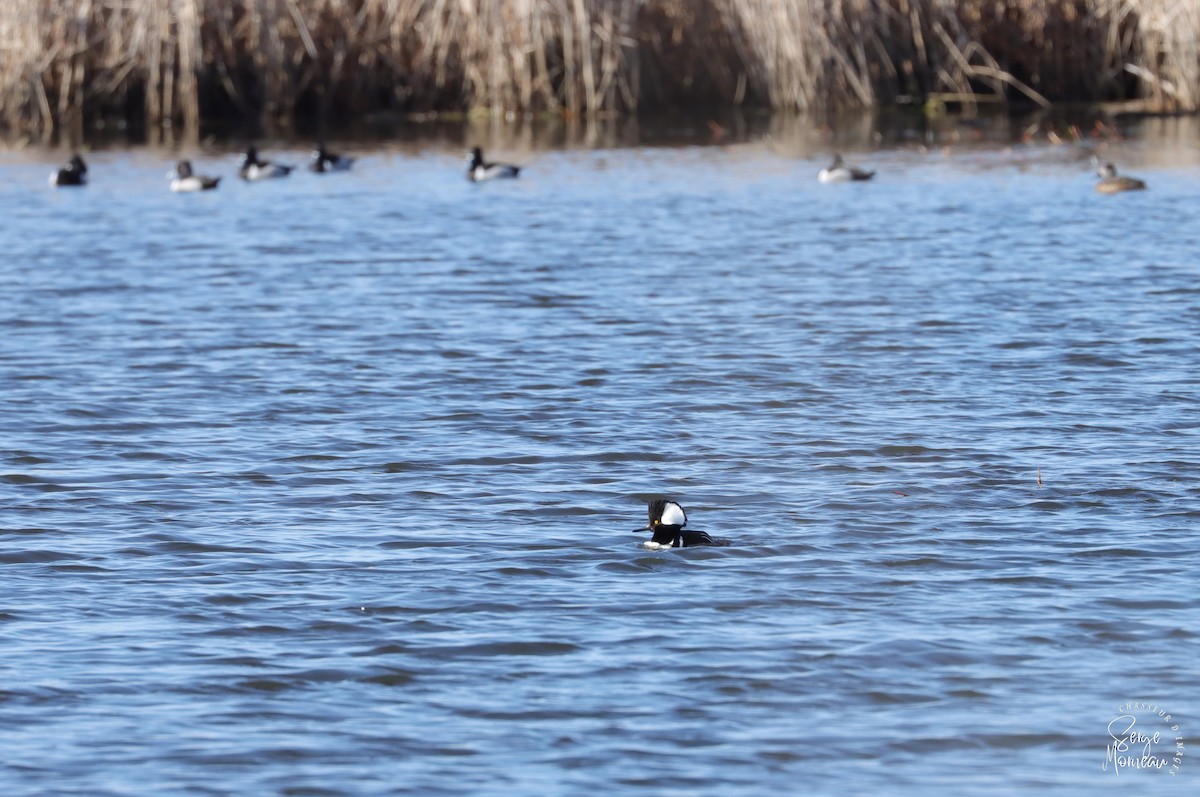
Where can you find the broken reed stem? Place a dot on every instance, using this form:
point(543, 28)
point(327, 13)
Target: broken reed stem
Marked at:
point(170, 62)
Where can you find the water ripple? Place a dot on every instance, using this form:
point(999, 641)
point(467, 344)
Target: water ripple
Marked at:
point(335, 495)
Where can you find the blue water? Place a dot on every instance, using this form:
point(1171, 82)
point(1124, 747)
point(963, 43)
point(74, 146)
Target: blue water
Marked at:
point(326, 486)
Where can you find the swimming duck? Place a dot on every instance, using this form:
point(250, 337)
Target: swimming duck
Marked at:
point(185, 181)
point(325, 161)
point(667, 521)
point(839, 172)
point(74, 173)
point(253, 169)
point(478, 170)
point(1111, 183)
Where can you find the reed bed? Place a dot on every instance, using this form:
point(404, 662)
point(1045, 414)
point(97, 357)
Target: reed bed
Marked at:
point(176, 63)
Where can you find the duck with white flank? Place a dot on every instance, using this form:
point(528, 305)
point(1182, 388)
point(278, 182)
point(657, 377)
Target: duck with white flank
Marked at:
point(478, 170)
point(325, 161)
point(839, 172)
point(254, 169)
point(1112, 183)
point(74, 173)
point(667, 521)
point(185, 181)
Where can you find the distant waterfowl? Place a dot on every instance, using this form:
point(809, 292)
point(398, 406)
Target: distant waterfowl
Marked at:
point(185, 181)
point(839, 172)
point(254, 169)
point(478, 170)
point(74, 173)
point(325, 161)
point(1112, 183)
point(667, 521)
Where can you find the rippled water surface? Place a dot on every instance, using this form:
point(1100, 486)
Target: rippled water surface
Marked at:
point(326, 486)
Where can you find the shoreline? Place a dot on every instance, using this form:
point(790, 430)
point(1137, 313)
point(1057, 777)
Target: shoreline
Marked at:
point(1014, 139)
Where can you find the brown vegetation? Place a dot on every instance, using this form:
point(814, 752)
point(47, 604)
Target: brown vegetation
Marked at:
point(176, 62)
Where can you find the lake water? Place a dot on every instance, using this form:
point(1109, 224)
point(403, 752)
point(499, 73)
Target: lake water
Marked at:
point(327, 486)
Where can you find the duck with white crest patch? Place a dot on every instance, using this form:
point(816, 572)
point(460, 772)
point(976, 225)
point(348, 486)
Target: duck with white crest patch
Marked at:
point(667, 522)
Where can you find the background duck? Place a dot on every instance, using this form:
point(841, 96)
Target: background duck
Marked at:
point(1112, 183)
point(478, 170)
point(74, 173)
point(839, 172)
point(325, 161)
point(185, 180)
point(254, 169)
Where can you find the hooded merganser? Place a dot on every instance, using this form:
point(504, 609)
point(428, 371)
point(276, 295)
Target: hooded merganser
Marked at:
point(667, 521)
point(839, 172)
point(325, 161)
point(74, 173)
point(185, 180)
point(478, 170)
point(1111, 183)
point(254, 169)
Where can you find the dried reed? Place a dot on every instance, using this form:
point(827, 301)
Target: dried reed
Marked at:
point(171, 62)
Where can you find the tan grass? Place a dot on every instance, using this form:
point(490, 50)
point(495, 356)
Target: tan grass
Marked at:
point(168, 63)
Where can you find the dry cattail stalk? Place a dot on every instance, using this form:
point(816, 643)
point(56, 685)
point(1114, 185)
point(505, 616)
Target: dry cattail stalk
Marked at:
point(262, 61)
